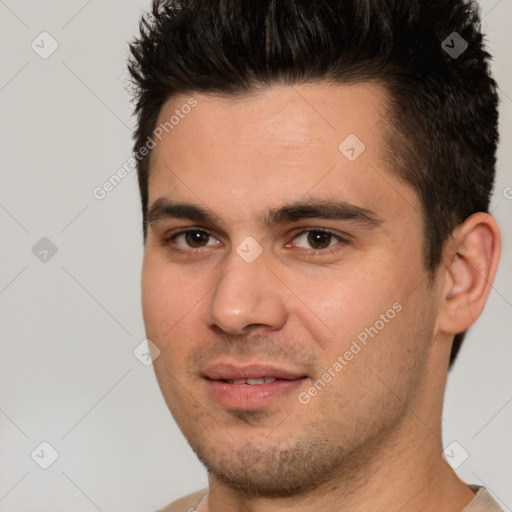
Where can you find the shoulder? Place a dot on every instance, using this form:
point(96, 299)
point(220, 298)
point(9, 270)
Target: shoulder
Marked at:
point(482, 502)
point(185, 504)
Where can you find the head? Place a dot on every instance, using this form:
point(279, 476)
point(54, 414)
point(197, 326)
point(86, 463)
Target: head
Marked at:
point(351, 112)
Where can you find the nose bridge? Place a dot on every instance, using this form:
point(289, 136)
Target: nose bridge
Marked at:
point(247, 293)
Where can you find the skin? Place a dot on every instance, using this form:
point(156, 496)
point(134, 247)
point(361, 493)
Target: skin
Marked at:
point(371, 438)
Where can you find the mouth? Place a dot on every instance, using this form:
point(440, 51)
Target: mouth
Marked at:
point(250, 382)
point(251, 387)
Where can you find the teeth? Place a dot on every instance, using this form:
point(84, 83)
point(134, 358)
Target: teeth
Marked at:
point(252, 382)
point(255, 381)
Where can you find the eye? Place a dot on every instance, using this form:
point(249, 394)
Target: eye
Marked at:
point(314, 240)
point(191, 239)
point(318, 239)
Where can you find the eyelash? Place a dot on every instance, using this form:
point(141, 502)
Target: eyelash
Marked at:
point(166, 242)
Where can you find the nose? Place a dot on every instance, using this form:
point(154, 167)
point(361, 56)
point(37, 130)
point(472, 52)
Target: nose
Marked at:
point(247, 294)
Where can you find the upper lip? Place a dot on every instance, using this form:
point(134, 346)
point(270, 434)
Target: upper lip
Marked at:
point(226, 371)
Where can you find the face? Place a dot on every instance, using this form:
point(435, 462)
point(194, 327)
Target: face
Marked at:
point(284, 285)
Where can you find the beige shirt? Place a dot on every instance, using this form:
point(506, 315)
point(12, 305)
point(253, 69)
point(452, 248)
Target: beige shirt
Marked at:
point(482, 502)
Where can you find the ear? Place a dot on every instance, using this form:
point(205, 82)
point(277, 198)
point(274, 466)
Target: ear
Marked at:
point(469, 265)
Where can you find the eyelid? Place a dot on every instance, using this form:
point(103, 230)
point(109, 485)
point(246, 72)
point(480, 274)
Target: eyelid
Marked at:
point(343, 239)
point(342, 236)
point(168, 237)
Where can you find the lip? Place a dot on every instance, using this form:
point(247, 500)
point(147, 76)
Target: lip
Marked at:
point(254, 396)
point(227, 371)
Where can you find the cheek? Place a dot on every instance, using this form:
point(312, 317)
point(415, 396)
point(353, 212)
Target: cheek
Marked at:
point(370, 311)
point(165, 298)
point(172, 306)
point(153, 296)
point(350, 300)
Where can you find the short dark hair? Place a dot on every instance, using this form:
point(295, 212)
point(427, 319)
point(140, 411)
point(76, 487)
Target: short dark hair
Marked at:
point(443, 103)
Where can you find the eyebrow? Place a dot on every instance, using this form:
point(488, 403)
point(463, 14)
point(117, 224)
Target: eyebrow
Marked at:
point(292, 212)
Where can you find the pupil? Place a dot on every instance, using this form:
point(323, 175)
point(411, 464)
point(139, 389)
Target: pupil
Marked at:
point(316, 238)
point(194, 238)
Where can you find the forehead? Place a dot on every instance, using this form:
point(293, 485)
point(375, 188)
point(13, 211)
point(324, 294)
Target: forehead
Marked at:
point(283, 143)
point(301, 117)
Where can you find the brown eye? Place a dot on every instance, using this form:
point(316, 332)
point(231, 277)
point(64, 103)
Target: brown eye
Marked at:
point(191, 239)
point(315, 239)
point(196, 238)
point(319, 239)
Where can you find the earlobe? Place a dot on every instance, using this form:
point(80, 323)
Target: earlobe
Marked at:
point(470, 265)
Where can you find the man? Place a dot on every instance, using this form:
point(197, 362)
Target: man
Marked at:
point(315, 178)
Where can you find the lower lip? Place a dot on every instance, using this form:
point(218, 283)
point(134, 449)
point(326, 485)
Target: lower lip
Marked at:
point(250, 397)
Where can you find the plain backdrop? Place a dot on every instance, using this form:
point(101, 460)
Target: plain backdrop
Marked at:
point(71, 319)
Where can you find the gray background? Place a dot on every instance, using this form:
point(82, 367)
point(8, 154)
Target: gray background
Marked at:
point(68, 375)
